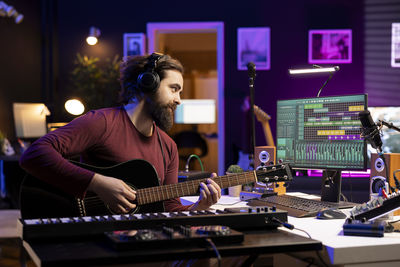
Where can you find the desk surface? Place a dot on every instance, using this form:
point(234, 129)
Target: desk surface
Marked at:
point(341, 250)
point(349, 249)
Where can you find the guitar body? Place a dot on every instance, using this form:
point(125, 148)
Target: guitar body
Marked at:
point(41, 200)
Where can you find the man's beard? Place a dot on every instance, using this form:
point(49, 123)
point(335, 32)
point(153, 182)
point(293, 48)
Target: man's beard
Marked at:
point(163, 115)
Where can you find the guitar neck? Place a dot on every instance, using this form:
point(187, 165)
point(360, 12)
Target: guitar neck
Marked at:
point(268, 134)
point(264, 118)
point(160, 193)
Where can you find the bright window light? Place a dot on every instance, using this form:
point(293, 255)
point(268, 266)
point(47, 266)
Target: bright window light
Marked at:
point(195, 111)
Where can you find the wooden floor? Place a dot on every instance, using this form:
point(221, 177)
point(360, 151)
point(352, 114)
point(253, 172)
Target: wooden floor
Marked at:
point(9, 239)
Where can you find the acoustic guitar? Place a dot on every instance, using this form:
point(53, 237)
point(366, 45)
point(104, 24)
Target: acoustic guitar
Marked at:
point(41, 200)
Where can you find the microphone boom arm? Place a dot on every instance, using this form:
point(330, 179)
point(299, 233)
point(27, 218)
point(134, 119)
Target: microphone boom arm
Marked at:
point(388, 124)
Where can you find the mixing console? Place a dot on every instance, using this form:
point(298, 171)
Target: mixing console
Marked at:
point(376, 208)
point(169, 236)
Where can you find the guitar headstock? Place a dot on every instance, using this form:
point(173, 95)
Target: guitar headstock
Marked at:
point(274, 173)
point(260, 114)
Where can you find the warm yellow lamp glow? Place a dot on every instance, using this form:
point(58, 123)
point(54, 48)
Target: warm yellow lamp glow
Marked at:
point(74, 107)
point(91, 40)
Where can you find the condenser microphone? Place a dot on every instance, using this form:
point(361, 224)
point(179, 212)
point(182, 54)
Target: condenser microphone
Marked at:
point(251, 71)
point(370, 130)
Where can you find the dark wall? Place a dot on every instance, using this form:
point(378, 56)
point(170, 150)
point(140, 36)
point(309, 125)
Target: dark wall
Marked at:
point(20, 61)
point(289, 22)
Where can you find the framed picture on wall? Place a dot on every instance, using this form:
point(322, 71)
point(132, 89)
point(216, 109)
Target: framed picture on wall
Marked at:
point(329, 46)
point(254, 46)
point(134, 44)
point(395, 45)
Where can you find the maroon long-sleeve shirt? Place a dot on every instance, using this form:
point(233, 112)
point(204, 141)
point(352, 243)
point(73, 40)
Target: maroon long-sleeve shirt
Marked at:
point(102, 138)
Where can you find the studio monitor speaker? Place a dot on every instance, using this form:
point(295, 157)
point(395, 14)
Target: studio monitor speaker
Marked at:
point(265, 156)
point(378, 170)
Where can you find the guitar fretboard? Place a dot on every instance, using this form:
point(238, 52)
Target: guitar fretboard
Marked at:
point(160, 193)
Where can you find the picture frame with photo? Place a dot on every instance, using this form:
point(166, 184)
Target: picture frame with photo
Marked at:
point(330, 46)
point(395, 58)
point(254, 45)
point(134, 44)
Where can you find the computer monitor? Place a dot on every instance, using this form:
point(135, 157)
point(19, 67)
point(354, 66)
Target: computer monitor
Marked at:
point(30, 119)
point(322, 133)
point(390, 138)
point(195, 111)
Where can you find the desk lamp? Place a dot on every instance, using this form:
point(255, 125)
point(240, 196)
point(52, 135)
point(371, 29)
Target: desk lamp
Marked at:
point(317, 69)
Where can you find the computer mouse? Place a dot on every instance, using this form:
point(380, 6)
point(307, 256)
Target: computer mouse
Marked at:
point(327, 214)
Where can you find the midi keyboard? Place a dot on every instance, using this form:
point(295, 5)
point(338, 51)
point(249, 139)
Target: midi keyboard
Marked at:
point(70, 227)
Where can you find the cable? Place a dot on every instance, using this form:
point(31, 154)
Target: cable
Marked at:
point(284, 224)
point(321, 259)
point(303, 232)
point(310, 261)
point(396, 181)
point(391, 188)
point(395, 221)
point(343, 197)
point(229, 204)
point(188, 161)
point(390, 226)
point(326, 82)
point(215, 249)
point(291, 227)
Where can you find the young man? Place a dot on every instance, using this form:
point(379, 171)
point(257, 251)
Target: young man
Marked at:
point(151, 87)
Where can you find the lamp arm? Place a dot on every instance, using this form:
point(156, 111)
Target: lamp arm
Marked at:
point(325, 83)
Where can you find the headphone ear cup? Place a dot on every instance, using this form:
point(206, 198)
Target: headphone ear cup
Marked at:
point(148, 82)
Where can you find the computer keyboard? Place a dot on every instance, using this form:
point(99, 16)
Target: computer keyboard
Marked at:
point(297, 206)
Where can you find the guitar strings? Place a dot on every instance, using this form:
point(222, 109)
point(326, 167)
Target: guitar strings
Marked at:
point(152, 194)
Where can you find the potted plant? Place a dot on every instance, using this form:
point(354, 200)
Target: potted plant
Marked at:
point(234, 191)
point(95, 82)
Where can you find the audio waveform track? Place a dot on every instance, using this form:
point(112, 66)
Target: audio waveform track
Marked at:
point(329, 155)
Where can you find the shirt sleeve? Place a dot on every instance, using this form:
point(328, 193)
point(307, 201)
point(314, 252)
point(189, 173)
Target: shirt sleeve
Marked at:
point(46, 159)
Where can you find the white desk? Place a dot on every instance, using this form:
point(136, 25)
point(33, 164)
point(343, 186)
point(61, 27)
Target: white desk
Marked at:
point(338, 249)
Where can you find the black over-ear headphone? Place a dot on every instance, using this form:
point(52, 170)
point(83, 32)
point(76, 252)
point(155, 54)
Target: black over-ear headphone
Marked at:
point(149, 81)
